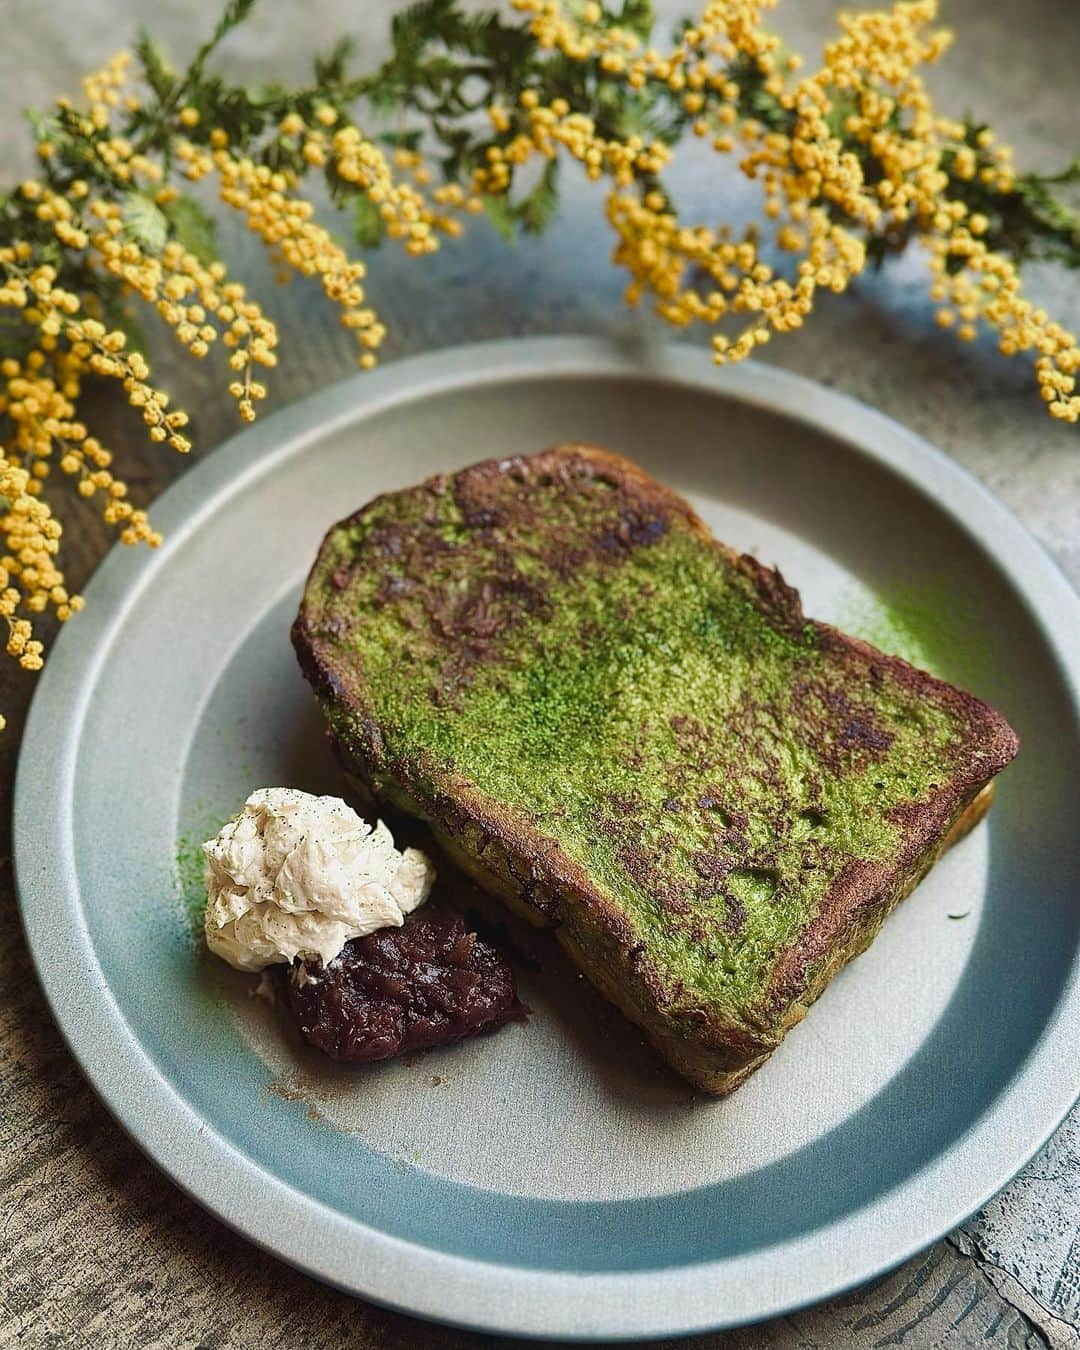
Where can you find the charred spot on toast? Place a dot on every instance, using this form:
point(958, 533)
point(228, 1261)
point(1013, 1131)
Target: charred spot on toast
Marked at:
point(553, 649)
point(461, 562)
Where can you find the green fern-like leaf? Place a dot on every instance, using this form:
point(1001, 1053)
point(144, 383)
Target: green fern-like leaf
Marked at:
point(43, 125)
point(538, 208)
point(156, 70)
point(402, 140)
point(234, 13)
point(191, 227)
point(13, 336)
point(639, 16)
point(368, 226)
point(500, 212)
point(411, 27)
point(145, 222)
point(117, 313)
point(330, 69)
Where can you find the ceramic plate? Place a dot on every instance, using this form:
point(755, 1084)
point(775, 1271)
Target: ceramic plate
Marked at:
point(551, 1179)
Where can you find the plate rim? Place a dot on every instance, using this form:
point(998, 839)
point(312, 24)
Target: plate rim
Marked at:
point(356, 1257)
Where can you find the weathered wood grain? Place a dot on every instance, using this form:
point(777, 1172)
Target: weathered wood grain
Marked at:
point(96, 1247)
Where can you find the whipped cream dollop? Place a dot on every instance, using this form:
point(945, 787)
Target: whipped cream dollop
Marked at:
point(298, 875)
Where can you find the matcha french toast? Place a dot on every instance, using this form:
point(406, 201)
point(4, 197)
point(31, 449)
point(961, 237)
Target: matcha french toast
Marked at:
point(631, 733)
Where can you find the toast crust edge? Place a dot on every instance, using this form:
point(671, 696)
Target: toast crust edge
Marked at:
point(714, 1054)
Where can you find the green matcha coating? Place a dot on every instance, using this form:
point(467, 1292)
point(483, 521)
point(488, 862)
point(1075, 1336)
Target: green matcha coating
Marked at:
point(190, 878)
point(712, 767)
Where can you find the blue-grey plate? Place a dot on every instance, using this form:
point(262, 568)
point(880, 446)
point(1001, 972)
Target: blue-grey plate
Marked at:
point(551, 1179)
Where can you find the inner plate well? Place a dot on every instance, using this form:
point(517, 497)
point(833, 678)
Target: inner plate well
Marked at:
point(576, 1088)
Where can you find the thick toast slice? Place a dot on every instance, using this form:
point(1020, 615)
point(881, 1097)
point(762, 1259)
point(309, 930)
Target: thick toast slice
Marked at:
point(631, 733)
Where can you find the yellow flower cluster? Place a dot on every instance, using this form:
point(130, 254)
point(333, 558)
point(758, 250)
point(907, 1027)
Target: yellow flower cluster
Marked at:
point(191, 298)
point(286, 225)
point(102, 88)
point(103, 91)
point(41, 408)
point(404, 209)
point(28, 573)
point(31, 540)
point(38, 396)
point(197, 300)
point(698, 61)
point(186, 294)
point(814, 184)
point(285, 221)
point(89, 345)
point(546, 129)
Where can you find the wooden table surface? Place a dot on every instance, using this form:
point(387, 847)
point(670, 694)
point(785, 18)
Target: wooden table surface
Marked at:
point(97, 1247)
